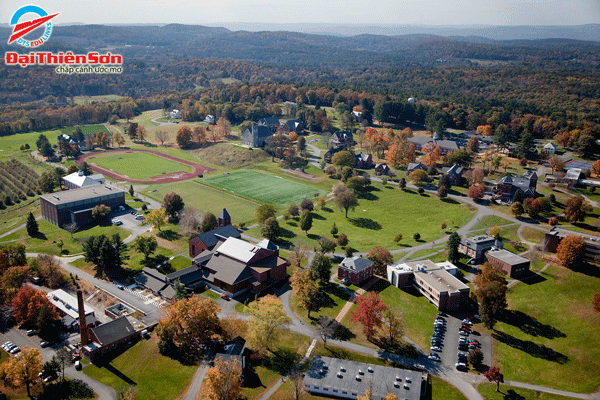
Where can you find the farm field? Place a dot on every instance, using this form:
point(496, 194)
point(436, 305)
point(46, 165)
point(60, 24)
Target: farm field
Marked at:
point(378, 218)
point(550, 332)
point(263, 188)
point(205, 199)
point(86, 129)
point(81, 100)
point(137, 165)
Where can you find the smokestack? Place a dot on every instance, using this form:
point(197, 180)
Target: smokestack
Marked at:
point(82, 323)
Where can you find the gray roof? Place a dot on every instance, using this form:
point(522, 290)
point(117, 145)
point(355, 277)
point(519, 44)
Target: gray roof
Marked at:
point(457, 169)
point(334, 373)
point(420, 141)
point(481, 242)
point(168, 292)
point(187, 275)
point(224, 214)
point(414, 165)
point(235, 346)
point(152, 279)
point(113, 331)
point(267, 244)
point(211, 238)
point(507, 257)
point(356, 263)
point(270, 121)
point(228, 270)
point(238, 249)
point(84, 193)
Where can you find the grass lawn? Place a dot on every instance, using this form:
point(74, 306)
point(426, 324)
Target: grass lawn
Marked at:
point(418, 313)
point(86, 129)
point(378, 218)
point(551, 331)
point(337, 300)
point(137, 165)
point(163, 378)
point(533, 235)
point(442, 390)
point(488, 391)
point(263, 188)
point(81, 100)
point(45, 242)
point(180, 262)
point(206, 199)
point(489, 221)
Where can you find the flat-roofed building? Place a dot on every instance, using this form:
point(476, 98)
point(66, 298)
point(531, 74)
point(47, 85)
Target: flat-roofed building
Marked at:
point(592, 242)
point(513, 264)
point(435, 282)
point(75, 206)
point(334, 377)
point(476, 247)
point(78, 179)
point(68, 307)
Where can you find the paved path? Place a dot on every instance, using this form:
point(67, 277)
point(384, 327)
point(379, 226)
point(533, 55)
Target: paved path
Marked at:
point(544, 389)
point(352, 299)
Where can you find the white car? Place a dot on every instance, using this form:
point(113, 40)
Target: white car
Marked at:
point(434, 357)
point(435, 348)
point(117, 222)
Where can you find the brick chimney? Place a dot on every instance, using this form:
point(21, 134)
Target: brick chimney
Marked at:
point(82, 323)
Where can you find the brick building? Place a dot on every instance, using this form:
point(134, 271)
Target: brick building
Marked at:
point(514, 265)
point(355, 269)
point(76, 205)
point(592, 242)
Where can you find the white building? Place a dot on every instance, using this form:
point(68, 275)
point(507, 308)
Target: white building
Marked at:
point(174, 114)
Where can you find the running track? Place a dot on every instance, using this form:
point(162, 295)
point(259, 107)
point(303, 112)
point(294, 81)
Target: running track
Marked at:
point(175, 177)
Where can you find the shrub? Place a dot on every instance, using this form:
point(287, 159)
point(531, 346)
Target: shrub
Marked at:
point(417, 236)
point(443, 225)
point(384, 180)
point(342, 240)
point(553, 221)
point(307, 204)
point(398, 238)
point(421, 190)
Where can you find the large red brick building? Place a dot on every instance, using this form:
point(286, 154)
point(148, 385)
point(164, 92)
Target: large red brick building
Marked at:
point(355, 269)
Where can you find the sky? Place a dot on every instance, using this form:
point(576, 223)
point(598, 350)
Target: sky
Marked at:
point(395, 12)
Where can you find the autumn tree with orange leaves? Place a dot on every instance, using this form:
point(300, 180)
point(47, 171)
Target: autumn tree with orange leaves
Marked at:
point(224, 380)
point(369, 312)
point(28, 303)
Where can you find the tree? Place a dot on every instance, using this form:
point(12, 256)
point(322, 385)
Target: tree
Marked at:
point(265, 211)
point(476, 192)
point(490, 292)
point(172, 203)
point(157, 218)
point(321, 268)
point(145, 245)
point(106, 253)
point(495, 232)
point(267, 315)
point(596, 302)
point(398, 238)
point(85, 167)
point(531, 207)
point(571, 251)
point(192, 321)
point(417, 236)
point(475, 358)
point(307, 204)
point(334, 229)
point(343, 159)
point(442, 192)
point(162, 136)
point(71, 227)
point(402, 183)
point(270, 228)
point(596, 168)
point(342, 240)
point(453, 243)
point(306, 290)
point(222, 130)
point(576, 209)
point(23, 370)
point(556, 163)
point(517, 209)
point(346, 200)
point(63, 357)
point(306, 221)
point(293, 210)
point(298, 253)
point(369, 312)
point(209, 222)
point(50, 271)
point(355, 183)
point(473, 145)
point(325, 245)
point(132, 130)
point(394, 326)
point(118, 139)
point(47, 181)
point(326, 328)
point(32, 225)
point(180, 291)
point(494, 375)
point(27, 305)
point(100, 212)
point(224, 380)
point(418, 177)
point(46, 149)
point(131, 192)
point(141, 133)
point(381, 257)
point(184, 137)
point(72, 168)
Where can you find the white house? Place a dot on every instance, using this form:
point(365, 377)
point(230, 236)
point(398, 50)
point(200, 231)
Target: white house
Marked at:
point(550, 148)
point(174, 114)
point(210, 119)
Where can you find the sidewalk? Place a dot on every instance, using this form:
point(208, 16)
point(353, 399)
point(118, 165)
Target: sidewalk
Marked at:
point(350, 302)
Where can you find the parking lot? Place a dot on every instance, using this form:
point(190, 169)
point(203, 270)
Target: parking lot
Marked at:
point(449, 346)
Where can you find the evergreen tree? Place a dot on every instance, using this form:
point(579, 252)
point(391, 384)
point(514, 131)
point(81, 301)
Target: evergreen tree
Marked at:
point(306, 221)
point(453, 243)
point(32, 225)
point(131, 192)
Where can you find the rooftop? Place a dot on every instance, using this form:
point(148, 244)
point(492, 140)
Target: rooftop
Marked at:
point(507, 257)
point(436, 275)
point(561, 232)
point(113, 331)
point(356, 263)
point(239, 249)
point(88, 192)
point(353, 377)
point(67, 303)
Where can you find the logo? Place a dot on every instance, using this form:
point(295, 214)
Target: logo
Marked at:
point(22, 28)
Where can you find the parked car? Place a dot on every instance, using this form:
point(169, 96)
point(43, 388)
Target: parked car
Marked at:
point(116, 221)
point(78, 365)
point(434, 357)
point(15, 350)
point(475, 343)
point(121, 208)
point(435, 348)
point(139, 216)
point(225, 297)
point(461, 366)
point(462, 356)
point(463, 333)
point(44, 344)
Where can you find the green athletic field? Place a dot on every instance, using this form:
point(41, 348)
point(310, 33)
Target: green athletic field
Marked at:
point(86, 129)
point(263, 188)
point(137, 165)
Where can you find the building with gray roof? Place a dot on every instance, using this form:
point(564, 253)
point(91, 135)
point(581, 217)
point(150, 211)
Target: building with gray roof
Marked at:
point(355, 269)
point(334, 377)
point(255, 135)
point(513, 264)
point(476, 246)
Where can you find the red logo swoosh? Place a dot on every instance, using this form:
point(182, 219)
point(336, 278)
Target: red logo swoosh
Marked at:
point(26, 27)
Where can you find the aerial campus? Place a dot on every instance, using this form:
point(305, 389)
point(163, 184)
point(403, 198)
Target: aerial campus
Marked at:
point(279, 241)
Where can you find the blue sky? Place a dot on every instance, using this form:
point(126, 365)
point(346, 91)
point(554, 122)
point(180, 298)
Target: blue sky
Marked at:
point(397, 12)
